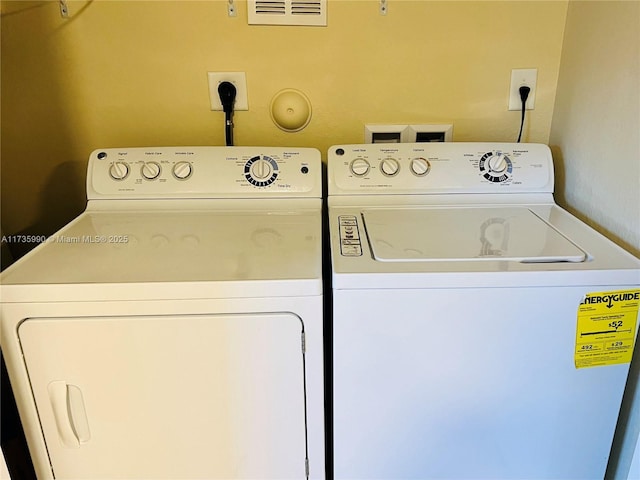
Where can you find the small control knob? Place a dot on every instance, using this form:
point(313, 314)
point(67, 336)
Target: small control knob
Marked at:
point(150, 170)
point(420, 166)
point(359, 167)
point(261, 169)
point(182, 170)
point(389, 167)
point(119, 170)
point(497, 163)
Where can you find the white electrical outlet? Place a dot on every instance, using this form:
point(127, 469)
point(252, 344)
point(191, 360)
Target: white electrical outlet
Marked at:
point(519, 78)
point(239, 80)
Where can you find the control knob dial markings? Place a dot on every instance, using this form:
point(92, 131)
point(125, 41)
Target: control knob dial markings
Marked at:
point(119, 170)
point(261, 171)
point(495, 166)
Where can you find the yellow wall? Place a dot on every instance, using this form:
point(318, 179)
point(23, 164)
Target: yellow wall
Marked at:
point(595, 135)
point(133, 73)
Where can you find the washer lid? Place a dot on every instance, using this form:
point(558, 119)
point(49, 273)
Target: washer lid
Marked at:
point(465, 234)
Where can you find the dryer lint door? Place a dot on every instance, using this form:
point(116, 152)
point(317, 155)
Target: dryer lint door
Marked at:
point(466, 234)
point(219, 396)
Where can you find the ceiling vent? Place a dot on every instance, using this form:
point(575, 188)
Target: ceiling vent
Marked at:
point(287, 12)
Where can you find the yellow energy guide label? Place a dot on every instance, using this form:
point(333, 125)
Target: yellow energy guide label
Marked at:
point(606, 328)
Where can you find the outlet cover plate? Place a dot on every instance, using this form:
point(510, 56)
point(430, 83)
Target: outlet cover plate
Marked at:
point(519, 78)
point(239, 80)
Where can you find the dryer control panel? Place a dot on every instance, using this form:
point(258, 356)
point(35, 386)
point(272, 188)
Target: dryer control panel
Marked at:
point(204, 172)
point(440, 168)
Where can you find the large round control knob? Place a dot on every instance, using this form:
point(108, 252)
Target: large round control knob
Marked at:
point(389, 167)
point(182, 170)
point(150, 170)
point(119, 170)
point(495, 167)
point(261, 169)
point(420, 166)
point(497, 163)
point(359, 167)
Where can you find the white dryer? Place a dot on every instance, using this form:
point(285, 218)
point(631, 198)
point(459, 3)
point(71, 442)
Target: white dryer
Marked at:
point(174, 329)
point(479, 330)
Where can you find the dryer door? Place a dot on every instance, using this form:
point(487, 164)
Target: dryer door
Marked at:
point(219, 396)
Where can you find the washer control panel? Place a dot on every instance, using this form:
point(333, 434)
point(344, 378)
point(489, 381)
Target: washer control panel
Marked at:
point(204, 172)
point(417, 168)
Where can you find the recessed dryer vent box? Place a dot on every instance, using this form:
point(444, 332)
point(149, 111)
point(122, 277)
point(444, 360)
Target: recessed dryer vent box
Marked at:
point(287, 12)
point(431, 133)
point(385, 133)
point(408, 133)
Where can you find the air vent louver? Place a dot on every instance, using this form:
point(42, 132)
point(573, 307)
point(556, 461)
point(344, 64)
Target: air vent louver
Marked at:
point(287, 12)
point(306, 8)
point(271, 8)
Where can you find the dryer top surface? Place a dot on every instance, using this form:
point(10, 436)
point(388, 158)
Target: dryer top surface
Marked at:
point(178, 245)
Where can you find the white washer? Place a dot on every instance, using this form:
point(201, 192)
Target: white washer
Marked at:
point(174, 329)
point(456, 288)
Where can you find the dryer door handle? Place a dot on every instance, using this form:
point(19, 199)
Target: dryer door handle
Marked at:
point(69, 413)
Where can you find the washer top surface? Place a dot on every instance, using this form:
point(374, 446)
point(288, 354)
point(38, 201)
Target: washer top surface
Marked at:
point(198, 222)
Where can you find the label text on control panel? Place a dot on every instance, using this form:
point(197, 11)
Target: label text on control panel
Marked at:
point(350, 245)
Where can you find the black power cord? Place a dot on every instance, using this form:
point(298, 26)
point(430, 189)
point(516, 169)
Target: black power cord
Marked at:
point(227, 93)
point(524, 94)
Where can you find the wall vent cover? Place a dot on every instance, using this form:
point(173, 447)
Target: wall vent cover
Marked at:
point(287, 12)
